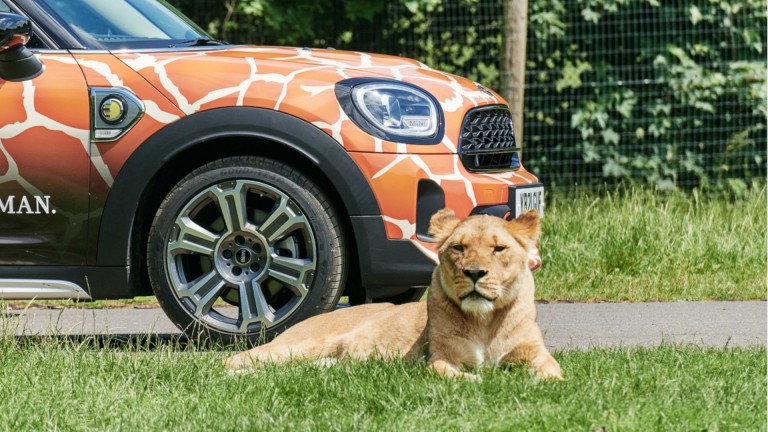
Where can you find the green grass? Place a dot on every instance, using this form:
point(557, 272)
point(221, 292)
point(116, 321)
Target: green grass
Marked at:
point(643, 246)
point(136, 302)
point(52, 385)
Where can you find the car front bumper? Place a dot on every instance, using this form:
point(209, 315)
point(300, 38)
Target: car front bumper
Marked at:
point(396, 251)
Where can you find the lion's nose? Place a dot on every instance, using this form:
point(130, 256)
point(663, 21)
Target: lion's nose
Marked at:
point(475, 275)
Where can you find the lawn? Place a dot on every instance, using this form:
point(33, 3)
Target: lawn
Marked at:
point(638, 245)
point(55, 385)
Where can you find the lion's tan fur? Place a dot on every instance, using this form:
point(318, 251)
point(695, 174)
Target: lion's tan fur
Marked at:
point(479, 309)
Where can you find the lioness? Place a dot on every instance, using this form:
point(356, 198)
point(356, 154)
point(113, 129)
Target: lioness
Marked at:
point(479, 309)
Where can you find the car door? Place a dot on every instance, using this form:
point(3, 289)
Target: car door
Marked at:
point(44, 163)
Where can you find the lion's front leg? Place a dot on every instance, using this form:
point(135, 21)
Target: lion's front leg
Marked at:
point(282, 351)
point(256, 357)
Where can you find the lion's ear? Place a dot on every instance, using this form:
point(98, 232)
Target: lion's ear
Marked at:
point(527, 227)
point(442, 224)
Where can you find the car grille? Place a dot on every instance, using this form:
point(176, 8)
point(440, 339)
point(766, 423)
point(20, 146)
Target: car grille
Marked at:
point(487, 141)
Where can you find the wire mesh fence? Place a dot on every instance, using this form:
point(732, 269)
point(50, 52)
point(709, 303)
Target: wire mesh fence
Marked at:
point(664, 94)
point(671, 96)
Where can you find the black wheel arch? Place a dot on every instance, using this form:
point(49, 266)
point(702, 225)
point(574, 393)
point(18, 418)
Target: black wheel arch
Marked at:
point(175, 150)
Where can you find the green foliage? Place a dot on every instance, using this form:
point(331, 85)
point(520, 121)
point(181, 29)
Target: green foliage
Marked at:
point(667, 94)
point(453, 36)
point(295, 23)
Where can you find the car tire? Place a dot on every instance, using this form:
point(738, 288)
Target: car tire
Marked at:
point(245, 228)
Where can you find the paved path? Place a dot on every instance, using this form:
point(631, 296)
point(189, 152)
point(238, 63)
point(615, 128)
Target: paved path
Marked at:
point(716, 324)
point(566, 326)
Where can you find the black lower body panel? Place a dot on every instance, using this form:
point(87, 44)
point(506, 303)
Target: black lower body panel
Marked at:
point(388, 267)
point(98, 282)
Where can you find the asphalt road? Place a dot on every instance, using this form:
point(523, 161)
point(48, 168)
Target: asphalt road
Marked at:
point(565, 326)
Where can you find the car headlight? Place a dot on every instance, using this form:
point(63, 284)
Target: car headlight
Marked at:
point(392, 110)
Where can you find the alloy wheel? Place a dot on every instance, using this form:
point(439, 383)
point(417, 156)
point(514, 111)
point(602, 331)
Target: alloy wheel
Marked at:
point(242, 243)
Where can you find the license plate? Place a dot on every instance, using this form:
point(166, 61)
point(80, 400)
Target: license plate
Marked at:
point(531, 198)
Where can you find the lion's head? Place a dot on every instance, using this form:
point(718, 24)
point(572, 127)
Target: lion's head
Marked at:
point(483, 259)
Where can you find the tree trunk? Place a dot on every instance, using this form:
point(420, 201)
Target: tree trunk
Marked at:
point(515, 37)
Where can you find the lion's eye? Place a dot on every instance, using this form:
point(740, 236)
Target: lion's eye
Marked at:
point(499, 248)
point(458, 248)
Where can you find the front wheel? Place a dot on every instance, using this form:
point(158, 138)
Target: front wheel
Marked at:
point(244, 247)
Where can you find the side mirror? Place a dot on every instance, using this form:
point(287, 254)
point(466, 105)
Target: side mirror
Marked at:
point(17, 63)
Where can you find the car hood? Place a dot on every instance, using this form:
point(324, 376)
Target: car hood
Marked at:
point(208, 70)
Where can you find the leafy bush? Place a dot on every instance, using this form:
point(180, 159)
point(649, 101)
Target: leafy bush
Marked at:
point(668, 94)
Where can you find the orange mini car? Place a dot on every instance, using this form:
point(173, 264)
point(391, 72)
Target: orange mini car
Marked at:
point(247, 187)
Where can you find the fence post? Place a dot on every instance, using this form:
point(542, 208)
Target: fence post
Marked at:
point(515, 36)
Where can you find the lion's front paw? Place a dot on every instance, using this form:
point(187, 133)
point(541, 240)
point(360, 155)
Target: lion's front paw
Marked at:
point(469, 377)
point(239, 362)
point(451, 371)
point(546, 367)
